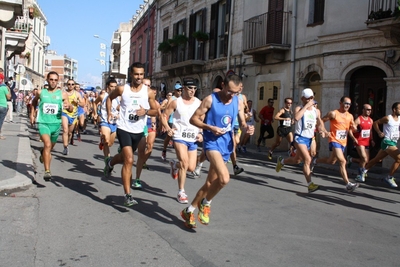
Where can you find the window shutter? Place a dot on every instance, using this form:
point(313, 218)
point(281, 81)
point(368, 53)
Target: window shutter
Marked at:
point(226, 26)
point(192, 41)
point(213, 31)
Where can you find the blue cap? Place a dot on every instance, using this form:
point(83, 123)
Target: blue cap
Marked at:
point(178, 86)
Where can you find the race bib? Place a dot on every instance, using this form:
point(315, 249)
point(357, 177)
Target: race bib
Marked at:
point(188, 133)
point(50, 109)
point(131, 116)
point(394, 136)
point(227, 128)
point(287, 123)
point(309, 124)
point(341, 134)
point(365, 133)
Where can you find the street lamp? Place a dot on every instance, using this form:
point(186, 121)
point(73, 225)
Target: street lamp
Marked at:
point(104, 54)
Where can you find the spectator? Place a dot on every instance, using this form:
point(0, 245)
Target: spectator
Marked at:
point(4, 96)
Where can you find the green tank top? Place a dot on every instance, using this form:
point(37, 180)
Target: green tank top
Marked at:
point(50, 107)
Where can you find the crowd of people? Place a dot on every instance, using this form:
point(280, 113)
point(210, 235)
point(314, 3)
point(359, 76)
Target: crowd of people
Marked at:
point(222, 122)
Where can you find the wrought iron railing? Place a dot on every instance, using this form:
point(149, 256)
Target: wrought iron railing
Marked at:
point(383, 9)
point(268, 28)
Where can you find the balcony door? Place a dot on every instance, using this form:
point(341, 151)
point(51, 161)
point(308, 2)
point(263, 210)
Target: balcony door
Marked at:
point(275, 22)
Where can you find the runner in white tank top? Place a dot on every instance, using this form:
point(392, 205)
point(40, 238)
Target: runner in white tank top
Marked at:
point(184, 135)
point(390, 135)
point(137, 101)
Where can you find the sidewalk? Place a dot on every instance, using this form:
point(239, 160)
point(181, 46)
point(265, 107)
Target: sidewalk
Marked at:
point(16, 168)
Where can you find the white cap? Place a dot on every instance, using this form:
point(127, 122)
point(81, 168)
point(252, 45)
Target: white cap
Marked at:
point(307, 93)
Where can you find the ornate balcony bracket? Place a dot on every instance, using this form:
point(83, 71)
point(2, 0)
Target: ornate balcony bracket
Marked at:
point(390, 28)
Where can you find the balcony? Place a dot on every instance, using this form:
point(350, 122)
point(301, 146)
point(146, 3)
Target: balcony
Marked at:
point(177, 62)
point(17, 35)
point(116, 41)
point(266, 34)
point(384, 15)
point(9, 11)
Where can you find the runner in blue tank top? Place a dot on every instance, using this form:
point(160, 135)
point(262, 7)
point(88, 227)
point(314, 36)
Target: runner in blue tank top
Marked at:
point(220, 110)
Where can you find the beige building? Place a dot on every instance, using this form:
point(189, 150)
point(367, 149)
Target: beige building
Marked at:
point(66, 67)
point(279, 47)
point(24, 42)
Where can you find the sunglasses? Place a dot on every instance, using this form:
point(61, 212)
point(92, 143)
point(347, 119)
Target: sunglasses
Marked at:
point(55, 80)
point(180, 90)
point(347, 103)
point(169, 95)
point(289, 103)
point(191, 87)
point(367, 109)
point(71, 84)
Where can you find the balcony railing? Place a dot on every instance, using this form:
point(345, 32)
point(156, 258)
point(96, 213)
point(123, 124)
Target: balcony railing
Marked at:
point(21, 25)
point(267, 29)
point(382, 9)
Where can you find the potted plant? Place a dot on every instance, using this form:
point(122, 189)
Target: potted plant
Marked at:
point(178, 39)
point(164, 47)
point(200, 36)
point(33, 12)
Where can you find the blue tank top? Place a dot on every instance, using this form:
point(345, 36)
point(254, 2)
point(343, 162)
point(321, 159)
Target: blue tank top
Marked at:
point(220, 115)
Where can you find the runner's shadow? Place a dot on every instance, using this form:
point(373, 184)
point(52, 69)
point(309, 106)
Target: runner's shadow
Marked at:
point(25, 169)
point(87, 189)
point(152, 210)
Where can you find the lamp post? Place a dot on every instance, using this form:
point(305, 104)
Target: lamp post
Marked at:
point(105, 47)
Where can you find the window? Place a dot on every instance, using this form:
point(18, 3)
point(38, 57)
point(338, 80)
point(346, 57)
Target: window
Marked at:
point(316, 16)
point(219, 29)
point(140, 40)
point(165, 34)
point(261, 93)
point(196, 23)
point(133, 52)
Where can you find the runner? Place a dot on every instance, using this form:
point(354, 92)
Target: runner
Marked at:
point(137, 101)
point(341, 121)
point(251, 118)
point(390, 135)
point(51, 102)
point(69, 118)
point(362, 141)
point(107, 129)
point(307, 118)
point(167, 140)
point(220, 109)
point(184, 134)
point(285, 118)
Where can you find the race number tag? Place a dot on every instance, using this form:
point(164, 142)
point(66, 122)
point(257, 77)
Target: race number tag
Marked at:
point(394, 136)
point(341, 134)
point(309, 124)
point(50, 109)
point(188, 133)
point(365, 133)
point(287, 123)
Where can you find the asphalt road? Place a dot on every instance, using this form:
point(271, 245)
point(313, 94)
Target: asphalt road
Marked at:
point(261, 218)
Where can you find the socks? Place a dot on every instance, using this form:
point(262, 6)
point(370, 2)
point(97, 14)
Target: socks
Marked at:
point(205, 201)
point(190, 208)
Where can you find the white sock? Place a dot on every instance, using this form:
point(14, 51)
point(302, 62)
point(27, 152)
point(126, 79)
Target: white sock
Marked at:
point(283, 161)
point(181, 191)
point(310, 183)
point(190, 208)
point(200, 164)
point(205, 201)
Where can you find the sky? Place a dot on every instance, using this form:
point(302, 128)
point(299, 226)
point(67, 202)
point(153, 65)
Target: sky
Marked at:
point(71, 25)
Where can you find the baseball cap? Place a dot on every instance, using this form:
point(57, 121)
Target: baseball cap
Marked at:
point(315, 102)
point(307, 93)
point(189, 82)
point(178, 86)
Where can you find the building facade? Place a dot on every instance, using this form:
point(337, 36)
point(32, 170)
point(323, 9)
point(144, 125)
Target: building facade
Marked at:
point(66, 67)
point(280, 47)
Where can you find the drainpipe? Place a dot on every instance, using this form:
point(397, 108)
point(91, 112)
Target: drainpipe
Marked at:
point(230, 36)
point(293, 51)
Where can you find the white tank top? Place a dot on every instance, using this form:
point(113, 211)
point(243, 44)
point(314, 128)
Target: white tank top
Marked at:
point(130, 103)
point(114, 111)
point(184, 130)
point(306, 126)
point(391, 129)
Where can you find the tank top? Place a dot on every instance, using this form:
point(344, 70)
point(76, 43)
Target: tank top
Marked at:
point(71, 99)
point(236, 122)
point(306, 126)
point(340, 127)
point(221, 115)
point(391, 129)
point(130, 103)
point(183, 112)
point(50, 107)
point(286, 123)
point(103, 109)
point(171, 117)
point(363, 134)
